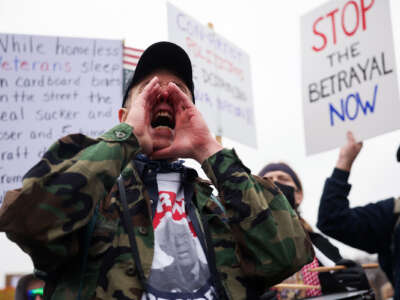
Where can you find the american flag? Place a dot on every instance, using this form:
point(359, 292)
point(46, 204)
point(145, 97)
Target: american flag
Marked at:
point(130, 59)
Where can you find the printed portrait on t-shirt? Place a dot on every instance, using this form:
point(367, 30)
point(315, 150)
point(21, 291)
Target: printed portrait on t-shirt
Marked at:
point(179, 267)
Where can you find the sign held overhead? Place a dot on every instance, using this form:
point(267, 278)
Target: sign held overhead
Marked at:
point(221, 74)
point(349, 79)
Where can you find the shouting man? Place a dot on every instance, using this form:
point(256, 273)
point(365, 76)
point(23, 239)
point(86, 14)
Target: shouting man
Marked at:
point(119, 217)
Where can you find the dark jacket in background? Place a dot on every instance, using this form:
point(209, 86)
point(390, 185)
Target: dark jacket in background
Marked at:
point(370, 228)
point(328, 282)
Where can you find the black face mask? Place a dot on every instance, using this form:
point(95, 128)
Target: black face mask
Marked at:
point(288, 191)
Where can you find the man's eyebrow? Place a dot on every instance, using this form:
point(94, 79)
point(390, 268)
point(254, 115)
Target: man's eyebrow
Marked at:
point(143, 84)
point(180, 85)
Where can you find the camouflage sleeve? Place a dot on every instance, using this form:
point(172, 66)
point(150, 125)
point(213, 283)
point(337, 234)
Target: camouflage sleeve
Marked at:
point(272, 242)
point(60, 193)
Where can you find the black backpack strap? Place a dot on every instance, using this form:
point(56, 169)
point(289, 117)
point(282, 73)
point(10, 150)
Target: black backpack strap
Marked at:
point(203, 233)
point(131, 233)
point(149, 178)
point(212, 262)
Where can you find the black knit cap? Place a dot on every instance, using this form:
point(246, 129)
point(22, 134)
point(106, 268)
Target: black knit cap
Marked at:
point(284, 168)
point(163, 55)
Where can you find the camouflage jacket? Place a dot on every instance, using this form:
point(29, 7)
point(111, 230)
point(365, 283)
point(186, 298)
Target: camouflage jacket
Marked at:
point(256, 238)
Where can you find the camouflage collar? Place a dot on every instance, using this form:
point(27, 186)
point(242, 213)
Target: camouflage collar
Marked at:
point(202, 192)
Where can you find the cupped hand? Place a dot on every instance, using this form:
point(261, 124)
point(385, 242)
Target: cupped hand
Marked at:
point(192, 139)
point(139, 114)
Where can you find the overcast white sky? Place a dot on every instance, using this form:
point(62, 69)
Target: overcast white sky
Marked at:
point(269, 31)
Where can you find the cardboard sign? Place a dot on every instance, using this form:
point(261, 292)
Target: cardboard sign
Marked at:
point(349, 77)
point(51, 87)
point(221, 77)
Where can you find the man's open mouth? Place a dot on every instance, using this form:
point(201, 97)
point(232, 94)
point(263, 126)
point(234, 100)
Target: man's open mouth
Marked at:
point(163, 118)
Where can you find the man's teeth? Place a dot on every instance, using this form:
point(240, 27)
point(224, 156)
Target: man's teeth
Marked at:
point(163, 114)
point(163, 118)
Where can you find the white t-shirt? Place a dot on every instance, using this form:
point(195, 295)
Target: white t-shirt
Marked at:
point(179, 268)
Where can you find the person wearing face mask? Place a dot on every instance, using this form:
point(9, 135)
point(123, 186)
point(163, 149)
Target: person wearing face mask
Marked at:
point(326, 254)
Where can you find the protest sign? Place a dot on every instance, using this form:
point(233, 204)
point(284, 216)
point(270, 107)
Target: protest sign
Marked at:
point(349, 77)
point(222, 77)
point(51, 87)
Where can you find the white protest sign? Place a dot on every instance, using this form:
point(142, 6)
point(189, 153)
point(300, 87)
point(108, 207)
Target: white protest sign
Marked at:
point(221, 74)
point(349, 77)
point(51, 87)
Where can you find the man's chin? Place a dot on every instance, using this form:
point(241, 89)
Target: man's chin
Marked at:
point(162, 141)
point(160, 144)
point(163, 131)
point(163, 137)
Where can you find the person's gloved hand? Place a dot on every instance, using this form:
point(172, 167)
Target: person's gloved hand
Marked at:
point(354, 276)
point(270, 295)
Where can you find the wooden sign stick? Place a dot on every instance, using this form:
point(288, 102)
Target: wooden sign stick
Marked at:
point(217, 137)
point(336, 268)
point(296, 286)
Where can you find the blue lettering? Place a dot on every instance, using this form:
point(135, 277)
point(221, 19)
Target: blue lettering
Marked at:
point(178, 21)
point(202, 97)
point(343, 112)
point(356, 97)
point(332, 110)
point(367, 104)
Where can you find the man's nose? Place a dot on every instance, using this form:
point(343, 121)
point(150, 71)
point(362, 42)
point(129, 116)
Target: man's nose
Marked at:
point(164, 97)
point(164, 85)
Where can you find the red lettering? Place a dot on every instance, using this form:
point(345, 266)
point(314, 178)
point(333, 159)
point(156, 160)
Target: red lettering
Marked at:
point(350, 33)
point(346, 27)
point(190, 42)
point(68, 67)
point(212, 58)
point(44, 66)
point(323, 36)
point(364, 9)
point(332, 15)
point(24, 65)
point(6, 66)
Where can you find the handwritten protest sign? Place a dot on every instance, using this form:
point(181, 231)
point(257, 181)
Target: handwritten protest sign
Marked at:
point(221, 76)
point(348, 73)
point(51, 87)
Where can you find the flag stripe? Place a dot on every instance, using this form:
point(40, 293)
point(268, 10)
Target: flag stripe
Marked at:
point(134, 49)
point(132, 56)
point(129, 63)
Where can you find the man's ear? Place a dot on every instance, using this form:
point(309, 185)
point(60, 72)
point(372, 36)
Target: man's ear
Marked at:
point(122, 114)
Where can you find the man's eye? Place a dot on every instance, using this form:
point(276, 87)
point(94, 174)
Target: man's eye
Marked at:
point(180, 86)
point(141, 88)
